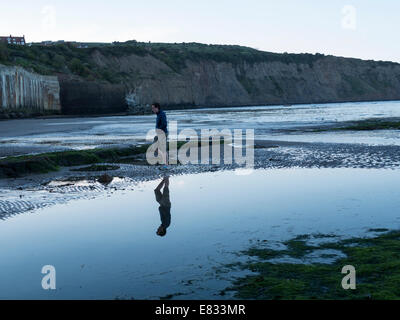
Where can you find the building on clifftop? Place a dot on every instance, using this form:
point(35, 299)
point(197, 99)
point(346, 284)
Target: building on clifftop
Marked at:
point(13, 40)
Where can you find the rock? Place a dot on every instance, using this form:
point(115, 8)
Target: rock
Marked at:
point(105, 179)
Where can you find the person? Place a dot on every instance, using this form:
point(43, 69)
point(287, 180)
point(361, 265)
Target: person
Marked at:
point(165, 206)
point(162, 128)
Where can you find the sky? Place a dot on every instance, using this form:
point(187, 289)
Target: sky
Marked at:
point(364, 29)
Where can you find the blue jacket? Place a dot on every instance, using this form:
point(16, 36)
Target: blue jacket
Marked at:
point(161, 122)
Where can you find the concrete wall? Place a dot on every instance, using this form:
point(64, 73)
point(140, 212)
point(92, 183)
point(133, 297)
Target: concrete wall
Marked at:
point(21, 90)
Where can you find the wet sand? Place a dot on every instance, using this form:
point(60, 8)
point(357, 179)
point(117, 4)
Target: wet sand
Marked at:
point(26, 136)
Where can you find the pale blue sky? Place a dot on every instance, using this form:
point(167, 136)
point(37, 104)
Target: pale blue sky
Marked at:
point(278, 26)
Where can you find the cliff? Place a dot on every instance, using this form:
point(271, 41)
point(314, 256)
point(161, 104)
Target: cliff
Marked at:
point(110, 78)
point(216, 83)
point(28, 93)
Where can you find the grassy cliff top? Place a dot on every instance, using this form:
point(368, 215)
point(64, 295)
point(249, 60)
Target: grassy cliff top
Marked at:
point(67, 59)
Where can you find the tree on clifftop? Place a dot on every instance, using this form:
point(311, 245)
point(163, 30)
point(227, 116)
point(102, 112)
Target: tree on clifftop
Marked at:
point(3, 52)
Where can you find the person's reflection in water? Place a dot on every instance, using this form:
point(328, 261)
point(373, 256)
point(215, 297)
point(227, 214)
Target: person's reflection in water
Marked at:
point(165, 206)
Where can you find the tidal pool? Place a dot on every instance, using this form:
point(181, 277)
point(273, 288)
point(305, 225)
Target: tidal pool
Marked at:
point(107, 247)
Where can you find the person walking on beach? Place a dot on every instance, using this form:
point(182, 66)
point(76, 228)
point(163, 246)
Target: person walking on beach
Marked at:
point(165, 206)
point(162, 131)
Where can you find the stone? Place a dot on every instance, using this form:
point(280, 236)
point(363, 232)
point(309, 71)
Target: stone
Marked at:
point(105, 179)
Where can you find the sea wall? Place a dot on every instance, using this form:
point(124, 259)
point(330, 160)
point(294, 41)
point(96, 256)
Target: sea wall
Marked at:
point(26, 92)
point(89, 97)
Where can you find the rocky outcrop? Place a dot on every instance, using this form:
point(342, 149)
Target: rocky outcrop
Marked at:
point(25, 92)
point(209, 83)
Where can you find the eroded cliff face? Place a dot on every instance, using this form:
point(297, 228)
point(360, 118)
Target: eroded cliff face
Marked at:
point(222, 84)
point(23, 91)
point(209, 83)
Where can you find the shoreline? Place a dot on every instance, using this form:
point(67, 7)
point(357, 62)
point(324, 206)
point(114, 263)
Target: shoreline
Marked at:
point(178, 107)
point(268, 154)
